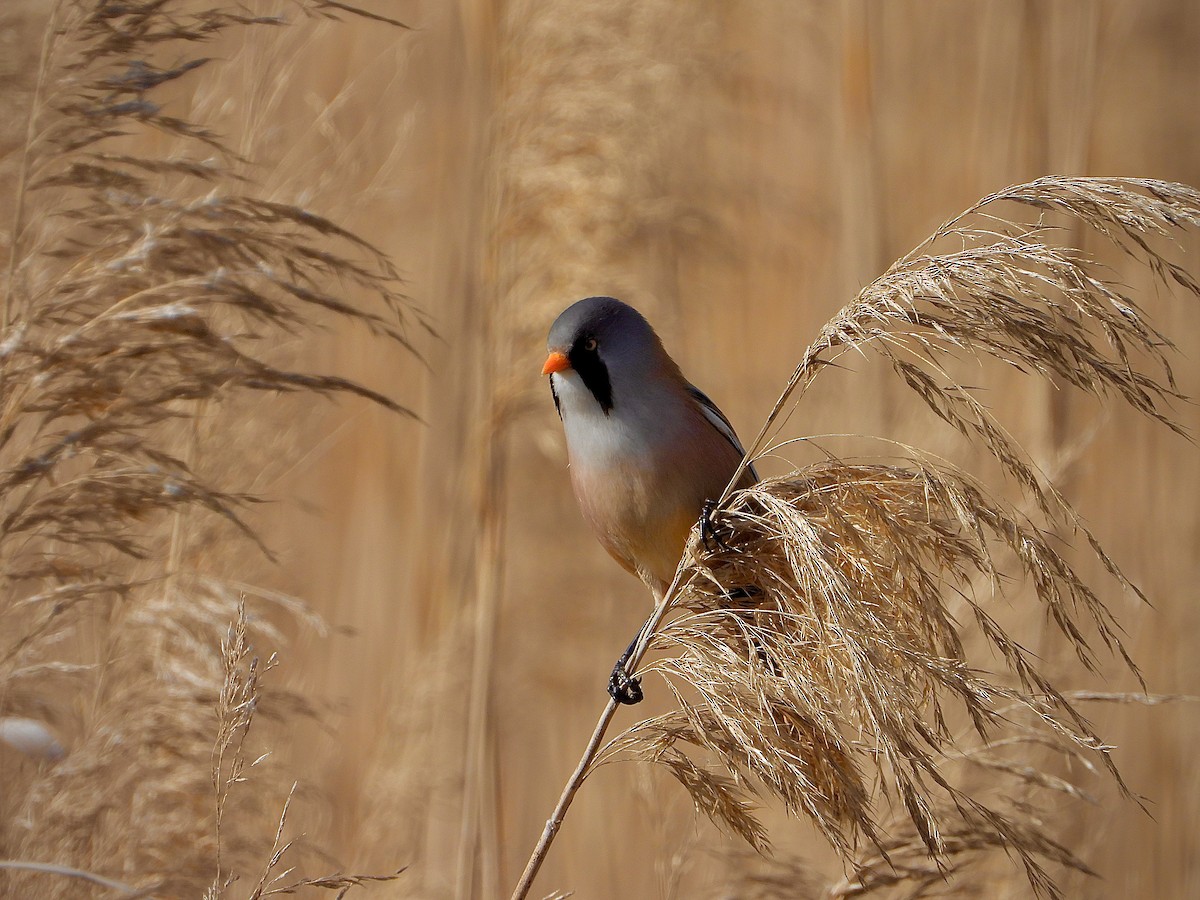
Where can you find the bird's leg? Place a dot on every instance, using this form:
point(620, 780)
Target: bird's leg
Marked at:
point(748, 593)
point(764, 657)
point(626, 688)
point(623, 687)
point(710, 533)
point(710, 536)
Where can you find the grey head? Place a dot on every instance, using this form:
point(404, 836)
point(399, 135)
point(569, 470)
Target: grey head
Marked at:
point(610, 345)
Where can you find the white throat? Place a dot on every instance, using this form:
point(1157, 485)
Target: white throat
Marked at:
point(628, 434)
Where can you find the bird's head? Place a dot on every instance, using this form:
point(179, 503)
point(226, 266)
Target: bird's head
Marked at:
point(610, 347)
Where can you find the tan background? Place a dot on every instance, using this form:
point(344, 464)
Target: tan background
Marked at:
point(736, 170)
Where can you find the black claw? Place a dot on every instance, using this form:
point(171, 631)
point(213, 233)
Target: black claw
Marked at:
point(766, 659)
point(623, 687)
point(710, 534)
point(742, 593)
point(735, 601)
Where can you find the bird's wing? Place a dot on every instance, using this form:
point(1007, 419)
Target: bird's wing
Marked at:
point(718, 421)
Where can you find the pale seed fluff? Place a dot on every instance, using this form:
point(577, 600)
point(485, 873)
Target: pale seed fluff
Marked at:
point(31, 737)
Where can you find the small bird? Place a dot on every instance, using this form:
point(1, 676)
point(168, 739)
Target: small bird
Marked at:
point(648, 451)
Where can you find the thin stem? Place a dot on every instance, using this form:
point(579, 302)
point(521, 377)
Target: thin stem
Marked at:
point(23, 173)
point(593, 747)
point(67, 871)
point(477, 837)
point(564, 802)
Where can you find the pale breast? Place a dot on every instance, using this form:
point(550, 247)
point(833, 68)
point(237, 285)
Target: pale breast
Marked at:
point(642, 474)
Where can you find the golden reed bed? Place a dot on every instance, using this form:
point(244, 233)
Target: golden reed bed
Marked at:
point(394, 215)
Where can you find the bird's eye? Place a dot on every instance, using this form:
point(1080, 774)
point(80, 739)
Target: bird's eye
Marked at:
point(590, 345)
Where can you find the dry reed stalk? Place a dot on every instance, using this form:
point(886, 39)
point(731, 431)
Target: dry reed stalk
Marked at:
point(146, 288)
point(813, 656)
point(580, 101)
point(240, 697)
point(67, 872)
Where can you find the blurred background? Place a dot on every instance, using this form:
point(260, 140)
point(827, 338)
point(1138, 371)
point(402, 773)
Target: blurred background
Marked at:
point(737, 170)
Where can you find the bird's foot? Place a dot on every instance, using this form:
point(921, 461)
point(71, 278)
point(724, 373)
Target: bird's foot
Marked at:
point(766, 659)
point(623, 687)
point(710, 532)
point(741, 601)
point(732, 597)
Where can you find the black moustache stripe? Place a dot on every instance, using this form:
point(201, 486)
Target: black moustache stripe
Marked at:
point(594, 374)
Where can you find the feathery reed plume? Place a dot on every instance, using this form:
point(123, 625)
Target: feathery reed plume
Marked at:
point(816, 651)
point(147, 287)
point(601, 73)
point(240, 696)
point(845, 664)
point(1020, 761)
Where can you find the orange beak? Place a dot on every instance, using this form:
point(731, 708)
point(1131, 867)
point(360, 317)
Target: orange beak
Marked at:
point(556, 362)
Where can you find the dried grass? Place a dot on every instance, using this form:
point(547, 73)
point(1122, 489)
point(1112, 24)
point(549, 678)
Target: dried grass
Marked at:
point(724, 228)
point(573, 158)
point(819, 656)
point(147, 289)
